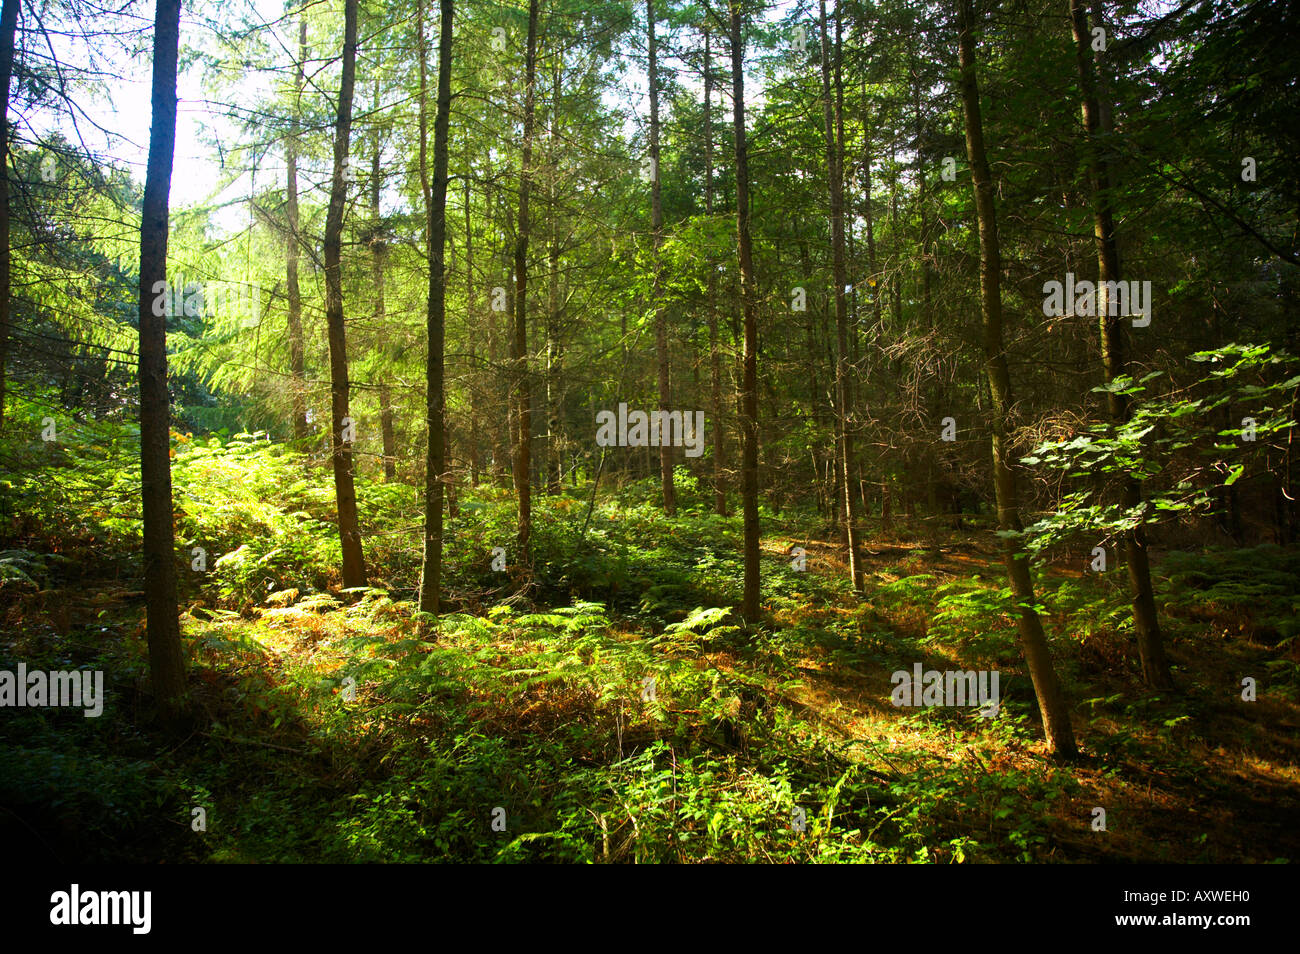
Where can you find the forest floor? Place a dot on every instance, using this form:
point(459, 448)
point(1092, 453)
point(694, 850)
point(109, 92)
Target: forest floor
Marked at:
point(617, 710)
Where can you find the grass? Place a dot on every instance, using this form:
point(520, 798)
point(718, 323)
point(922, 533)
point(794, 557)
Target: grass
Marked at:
point(615, 711)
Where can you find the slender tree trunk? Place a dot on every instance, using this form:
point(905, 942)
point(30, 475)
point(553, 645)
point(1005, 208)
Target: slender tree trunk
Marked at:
point(166, 660)
point(657, 225)
point(436, 210)
point(449, 471)
point(377, 253)
point(554, 366)
point(474, 462)
point(523, 454)
point(387, 433)
point(8, 35)
point(749, 305)
point(297, 359)
point(1033, 641)
point(834, 163)
point(503, 429)
point(354, 565)
point(873, 282)
point(933, 387)
point(896, 282)
point(555, 386)
point(927, 271)
point(715, 349)
point(813, 323)
point(736, 366)
point(1146, 621)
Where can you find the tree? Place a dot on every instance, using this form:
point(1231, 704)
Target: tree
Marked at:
point(834, 119)
point(435, 462)
point(1033, 641)
point(8, 33)
point(749, 308)
point(657, 227)
point(519, 349)
point(342, 426)
point(378, 254)
point(166, 661)
point(711, 285)
point(1146, 621)
point(297, 360)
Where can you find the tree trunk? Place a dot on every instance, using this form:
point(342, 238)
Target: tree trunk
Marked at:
point(1146, 621)
point(297, 360)
point(377, 253)
point(502, 412)
point(1033, 641)
point(873, 281)
point(715, 350)
point(449, 469)
point(473, 351)
point(749, 305)
point(506, 428)
point(8, 35)
point(834, 163)
point(519, 352)
point(656, 226)
point(896, 280)
point(436, 211)
point(354, 565)
point(387, 433)
point(166, 660)
point(554, 369)
point(555, 386)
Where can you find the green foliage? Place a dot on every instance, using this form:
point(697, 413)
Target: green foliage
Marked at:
point(1251, 382)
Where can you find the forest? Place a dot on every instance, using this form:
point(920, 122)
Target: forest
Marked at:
point(650, 431)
